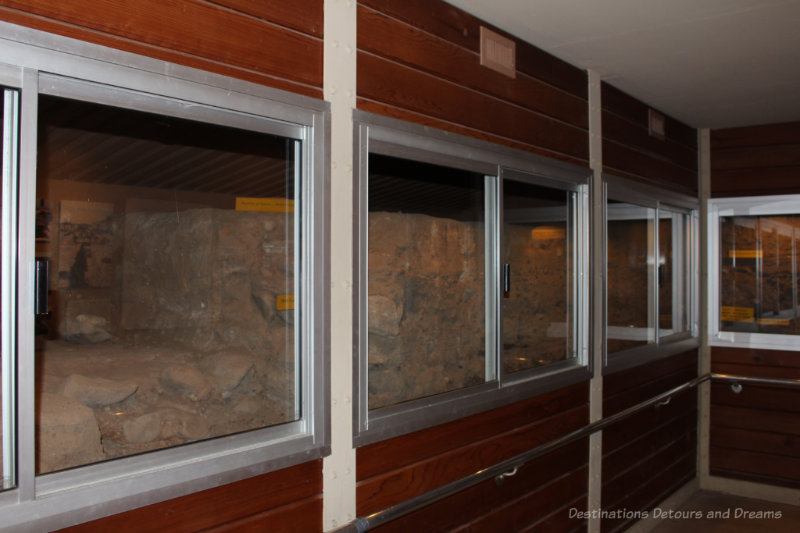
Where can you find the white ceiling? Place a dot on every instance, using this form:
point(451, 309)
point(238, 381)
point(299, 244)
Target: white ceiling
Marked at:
point(709, 63)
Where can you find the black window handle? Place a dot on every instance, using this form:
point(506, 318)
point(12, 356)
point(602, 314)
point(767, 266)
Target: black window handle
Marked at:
point(506, 279)
point(41, 286)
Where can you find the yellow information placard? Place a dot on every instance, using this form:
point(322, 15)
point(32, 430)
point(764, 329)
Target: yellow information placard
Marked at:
point(737, 314)
point(265, 205)
point(774, 321)
point(285, 302)
point(745, 254)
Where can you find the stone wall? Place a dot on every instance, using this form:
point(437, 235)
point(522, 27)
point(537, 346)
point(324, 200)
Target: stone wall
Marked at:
point(200, 342)
point(427, 308)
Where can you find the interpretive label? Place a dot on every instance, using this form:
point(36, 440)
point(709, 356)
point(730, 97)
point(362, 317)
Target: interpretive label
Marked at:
point(736, 314)
point(265, 205)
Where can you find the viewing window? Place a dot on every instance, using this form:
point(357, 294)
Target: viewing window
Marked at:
point(164, 293)
point(427, 261)
point(171, 246)
point(470, 284)
point(650, 270)
point(757, 259)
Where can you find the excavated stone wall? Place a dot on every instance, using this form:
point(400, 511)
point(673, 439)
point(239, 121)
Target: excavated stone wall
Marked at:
point(201, 346)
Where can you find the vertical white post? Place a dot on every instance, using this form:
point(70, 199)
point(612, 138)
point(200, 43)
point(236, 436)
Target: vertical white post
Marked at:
point(704, 353)
point(598, 319)
point(339, 88)
point(9, 284)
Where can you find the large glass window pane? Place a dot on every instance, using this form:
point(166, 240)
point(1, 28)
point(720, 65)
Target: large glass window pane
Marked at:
point(758, 274)
point(172, 251)
point(538, 253)
point(426, 281)
point(630, 255)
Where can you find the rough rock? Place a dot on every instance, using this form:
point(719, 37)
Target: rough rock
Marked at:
point(145, 428)
point(227, 370)
point(85, 328)
point(188, 379)
point(67, 434)
point(384, 316)
point(97, 392)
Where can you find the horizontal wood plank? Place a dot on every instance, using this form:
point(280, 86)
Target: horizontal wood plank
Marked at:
point(621, 131)
point(616, 461)
point(392, 111)
point(217, 506)
point(391, 39)
point(644, 421)
point(754, 357)
point(637, 112)
point(193, 28)
point(459, 27)
point(469, 505)
point(672, 477)
point(299, 517)
point(755, 419)
point(382, 491)
point(754, 182)
point(774, 469)
point(302, 15)
point(646, 374)
point(761, 135)
point(389, 82)
point(391, 454)
point(533, 507)
point(618, 157)
point(635, 395)
point(756, 157)
point(755, 441)
point(759, 397)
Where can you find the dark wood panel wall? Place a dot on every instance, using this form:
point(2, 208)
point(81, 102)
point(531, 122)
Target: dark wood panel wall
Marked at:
point(754, 435)
point(538, 497)
point(630, 151)
point(286, 500)
point(270, 42)
point(756, 160)
point(653, 453)
point(418, 60)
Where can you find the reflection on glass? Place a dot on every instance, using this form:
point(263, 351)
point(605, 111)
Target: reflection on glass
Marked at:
point(630, 251)
point(538, 249)
point(672, 274)
point(759, 274)
point(171, 246)
point(426, 304)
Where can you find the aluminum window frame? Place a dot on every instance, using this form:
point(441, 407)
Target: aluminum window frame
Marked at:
point(657, 198)
point(48, 64)
point(742, 206)
point(393, 137)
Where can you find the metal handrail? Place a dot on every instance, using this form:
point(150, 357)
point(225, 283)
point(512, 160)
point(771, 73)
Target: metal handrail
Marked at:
point(508, 467)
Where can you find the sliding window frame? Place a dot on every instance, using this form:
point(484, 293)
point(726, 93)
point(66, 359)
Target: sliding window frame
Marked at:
point(387, 136)
point(657, 199)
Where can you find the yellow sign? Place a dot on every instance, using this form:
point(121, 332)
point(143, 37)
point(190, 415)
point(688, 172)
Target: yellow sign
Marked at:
point(285, 302)
point(737, 314)
point(745, 254)
point(265, 205)
point(774, 321)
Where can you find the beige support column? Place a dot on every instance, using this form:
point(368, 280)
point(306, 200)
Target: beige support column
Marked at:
point(704, 353)
point(597, 317)
point(339, 88)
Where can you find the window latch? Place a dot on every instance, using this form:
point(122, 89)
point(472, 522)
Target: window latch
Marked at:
point(506, 279)
point(41, 286)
